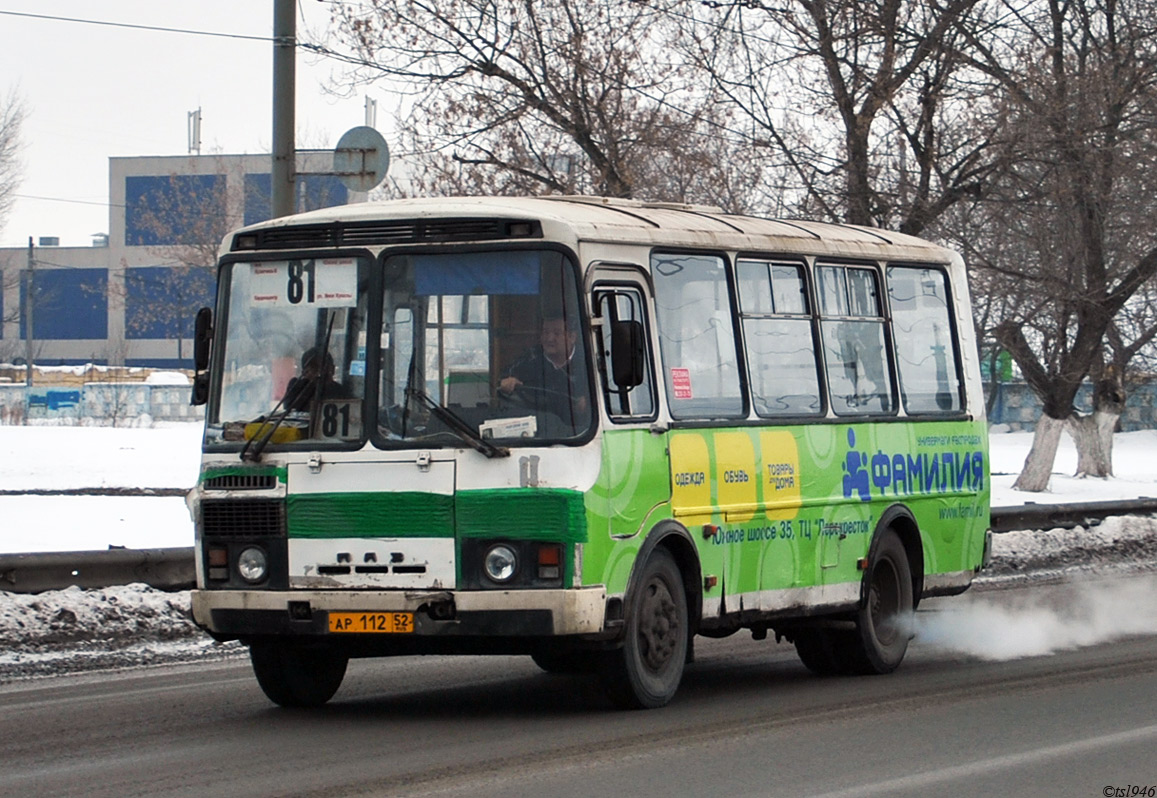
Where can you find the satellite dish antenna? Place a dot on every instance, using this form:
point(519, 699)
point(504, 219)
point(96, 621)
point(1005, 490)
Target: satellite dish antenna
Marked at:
point(361, 158)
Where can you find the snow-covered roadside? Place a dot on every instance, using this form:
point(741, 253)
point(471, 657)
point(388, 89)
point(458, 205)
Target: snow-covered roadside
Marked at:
point(64, 631)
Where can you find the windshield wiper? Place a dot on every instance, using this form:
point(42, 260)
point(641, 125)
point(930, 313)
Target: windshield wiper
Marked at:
point(458, 426)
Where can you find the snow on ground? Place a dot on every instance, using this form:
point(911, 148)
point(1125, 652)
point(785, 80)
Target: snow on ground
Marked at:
point(128, 626)
point(43, 457)
point(1134, 468)
point(46, 458)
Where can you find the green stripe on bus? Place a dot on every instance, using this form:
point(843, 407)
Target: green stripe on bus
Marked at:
point(370, 515)
point(514, 513)
point(523, 514)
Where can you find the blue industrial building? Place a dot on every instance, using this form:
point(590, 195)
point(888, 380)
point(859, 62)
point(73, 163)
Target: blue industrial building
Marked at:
point(130, 298)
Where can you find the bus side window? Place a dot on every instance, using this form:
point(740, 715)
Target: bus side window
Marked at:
point(777, 332)
point(925, 343)
point(697, 336)
point(852, 325)
point(624, 402)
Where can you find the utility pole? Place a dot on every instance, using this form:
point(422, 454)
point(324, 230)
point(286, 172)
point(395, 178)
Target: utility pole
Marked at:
point(28, 305)
point(284, 149)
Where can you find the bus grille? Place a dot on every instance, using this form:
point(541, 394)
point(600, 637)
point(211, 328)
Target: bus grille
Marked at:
point(241, 482)
point(338, 234)
point(243, 518)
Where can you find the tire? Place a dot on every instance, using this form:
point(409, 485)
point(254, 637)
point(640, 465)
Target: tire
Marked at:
point(884, 622)
point(646, 671)
point(882, 630)
point(823, 651)
point(296, 676)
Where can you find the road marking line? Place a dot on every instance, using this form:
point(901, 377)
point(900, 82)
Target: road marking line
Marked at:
point(985, 767)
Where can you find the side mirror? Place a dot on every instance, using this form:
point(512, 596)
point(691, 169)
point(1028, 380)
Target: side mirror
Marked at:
point(628, 353)
point(202, 339)
point(200, 388)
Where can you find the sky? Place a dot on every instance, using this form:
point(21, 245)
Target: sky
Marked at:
point(95, 91)
point(168, 456)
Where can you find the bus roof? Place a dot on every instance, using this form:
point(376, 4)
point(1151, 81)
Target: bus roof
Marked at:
point(619, 221)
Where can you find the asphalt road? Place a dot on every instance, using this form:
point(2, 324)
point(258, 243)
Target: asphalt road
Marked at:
point(749, 720)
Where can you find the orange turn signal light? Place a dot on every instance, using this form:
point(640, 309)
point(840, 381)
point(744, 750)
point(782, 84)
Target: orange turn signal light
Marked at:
point(550, 555)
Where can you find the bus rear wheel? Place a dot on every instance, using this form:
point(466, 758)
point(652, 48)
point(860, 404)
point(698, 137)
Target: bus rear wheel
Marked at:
point(882, 628)
point(296, 676)
point(825, 652)
point(646, 671)
point(884, 622)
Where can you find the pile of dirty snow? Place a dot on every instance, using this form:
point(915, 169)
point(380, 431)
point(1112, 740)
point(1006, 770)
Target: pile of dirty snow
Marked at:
point(78, 630)
point(1117, 542)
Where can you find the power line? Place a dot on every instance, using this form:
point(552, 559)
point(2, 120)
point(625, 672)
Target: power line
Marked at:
point(139, 27)
point(74, 201)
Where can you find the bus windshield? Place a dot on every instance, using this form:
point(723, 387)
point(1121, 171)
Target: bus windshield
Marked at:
point(293, 364)
point(472, 345)
point(492, 337)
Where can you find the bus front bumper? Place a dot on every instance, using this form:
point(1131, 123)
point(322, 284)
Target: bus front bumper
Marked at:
point(483, 613)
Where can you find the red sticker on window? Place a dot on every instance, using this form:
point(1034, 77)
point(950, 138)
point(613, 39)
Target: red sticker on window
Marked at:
point(681, 382)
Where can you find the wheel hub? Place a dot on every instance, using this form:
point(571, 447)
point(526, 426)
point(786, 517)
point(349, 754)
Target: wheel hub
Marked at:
point(658, 626)
point(884, 602)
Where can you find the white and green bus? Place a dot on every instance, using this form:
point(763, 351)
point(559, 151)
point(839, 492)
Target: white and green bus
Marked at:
point(584, 430)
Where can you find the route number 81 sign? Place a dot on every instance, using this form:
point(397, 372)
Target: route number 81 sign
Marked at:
point(321, 283)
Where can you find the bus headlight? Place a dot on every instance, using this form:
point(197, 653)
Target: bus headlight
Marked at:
point(252, 564)
point(500, 563)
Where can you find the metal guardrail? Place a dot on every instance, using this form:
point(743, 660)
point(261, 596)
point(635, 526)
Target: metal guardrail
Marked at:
point(165, 569)
point(173, 568)
point(1066, 516)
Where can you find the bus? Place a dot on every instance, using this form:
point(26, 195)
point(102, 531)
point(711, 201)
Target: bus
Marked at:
point(581, 429)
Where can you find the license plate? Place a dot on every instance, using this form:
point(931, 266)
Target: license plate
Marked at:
point(371, 622)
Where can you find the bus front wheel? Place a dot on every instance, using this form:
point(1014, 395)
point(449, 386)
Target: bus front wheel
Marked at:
point(296, 676)
point(646, 671)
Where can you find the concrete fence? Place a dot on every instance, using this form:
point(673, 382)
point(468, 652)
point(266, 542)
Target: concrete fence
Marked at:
point(97, 403)
point(1018, 407)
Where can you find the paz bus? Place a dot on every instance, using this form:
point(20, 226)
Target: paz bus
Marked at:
point(581, 429)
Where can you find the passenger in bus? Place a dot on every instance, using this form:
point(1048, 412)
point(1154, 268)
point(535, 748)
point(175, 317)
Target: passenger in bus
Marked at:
point(543, 379)
point(304, 389)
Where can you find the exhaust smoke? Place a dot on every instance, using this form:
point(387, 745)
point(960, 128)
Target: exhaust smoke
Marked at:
point(1004, 625)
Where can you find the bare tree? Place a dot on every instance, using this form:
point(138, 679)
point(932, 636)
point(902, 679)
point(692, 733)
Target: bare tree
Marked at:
point(572, 96)
point(1073, 228)
point(10, 275)
point(862, 101)
point(11, 119)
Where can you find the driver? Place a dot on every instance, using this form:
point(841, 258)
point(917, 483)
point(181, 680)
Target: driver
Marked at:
point(314, 366)
point(543, 378)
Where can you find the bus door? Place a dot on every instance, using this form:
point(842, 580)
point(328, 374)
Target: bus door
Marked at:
point(633, 479)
